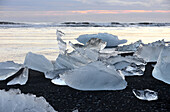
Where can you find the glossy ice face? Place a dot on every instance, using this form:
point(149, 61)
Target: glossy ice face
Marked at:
point(16, 42)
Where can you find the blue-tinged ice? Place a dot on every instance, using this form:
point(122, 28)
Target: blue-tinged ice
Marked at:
point(21, 79)
point(59, 81)
point(111, 40)
point(150, 52)
point(131, 47)
point(129, 59)
point(55, 73)
point(61, 44)
point(15, 101)
point(8, 68)
point(146, 94)
point(127, 66)
point(94, 43)
point(38, 62)
point(161, 70)
point(95, 76)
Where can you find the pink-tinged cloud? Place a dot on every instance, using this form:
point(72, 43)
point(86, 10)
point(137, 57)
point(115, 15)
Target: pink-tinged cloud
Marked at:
point(119, 11)
point(66, 13)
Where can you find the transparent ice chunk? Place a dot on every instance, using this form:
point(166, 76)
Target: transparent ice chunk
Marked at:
point(21, 79)
point(150, 52)
point(95, 76)
point(93, 43)
point(146, 94)
point(15, 101)
point(161, 70)
point(38, 62)
point(130, 47)
point(8, 68)
point(61, 44)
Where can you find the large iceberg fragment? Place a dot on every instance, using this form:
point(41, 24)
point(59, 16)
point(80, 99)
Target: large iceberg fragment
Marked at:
point(161, 70)
point(15, 101)
point(95, 76)
point(150, 52)
point(38, 62)
point(21, 79)
point(8, 68)
point(146, 94)
point(111, 40)
point(130, 47)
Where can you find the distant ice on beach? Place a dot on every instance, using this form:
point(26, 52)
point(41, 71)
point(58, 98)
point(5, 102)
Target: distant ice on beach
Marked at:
point(15, 101)
point(112, 40)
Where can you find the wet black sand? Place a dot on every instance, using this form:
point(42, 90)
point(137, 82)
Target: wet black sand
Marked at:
point(65, 99)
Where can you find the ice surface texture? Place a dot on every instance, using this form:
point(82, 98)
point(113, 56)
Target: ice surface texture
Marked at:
point(146, 94)
point(21, 79)
point(130, 47)
point(162, 68)
point(111, 40)
point(8, 69)
point(95, 76)
point(150, 52)
point(15, 101)
point(127, 66)
point(38, 62)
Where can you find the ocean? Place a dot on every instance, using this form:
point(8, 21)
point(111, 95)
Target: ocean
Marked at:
point(16, 42)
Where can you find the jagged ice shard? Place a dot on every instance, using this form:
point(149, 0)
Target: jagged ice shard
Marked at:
point(130, 47)
point(127, 66)
point(61, 44)
point(8, 68)
point(146, 94)
point(21, 79)
point(161, 70)
point(38, 62)
point(111, 40)
point(81, 56)
point(14, 101)
point(95, 76)
point(150, 52)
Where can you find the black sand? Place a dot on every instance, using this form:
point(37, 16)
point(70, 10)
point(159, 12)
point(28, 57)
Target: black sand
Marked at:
point(66, 99)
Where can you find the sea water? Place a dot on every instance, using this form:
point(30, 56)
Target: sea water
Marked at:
point(15, 42)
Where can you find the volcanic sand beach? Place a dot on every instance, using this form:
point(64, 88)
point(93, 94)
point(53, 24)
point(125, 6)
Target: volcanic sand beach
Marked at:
point(66, 99)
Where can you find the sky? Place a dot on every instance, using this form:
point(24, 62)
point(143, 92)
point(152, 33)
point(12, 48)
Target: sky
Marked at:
point(85, 10)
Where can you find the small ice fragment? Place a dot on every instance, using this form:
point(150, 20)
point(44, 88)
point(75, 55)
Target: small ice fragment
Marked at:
point(38, 62)
point(75, 110)
point(21, 79)
point(146, 94)
point(112, 40)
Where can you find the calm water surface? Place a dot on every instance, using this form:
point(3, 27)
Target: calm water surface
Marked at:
point(16, 42)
